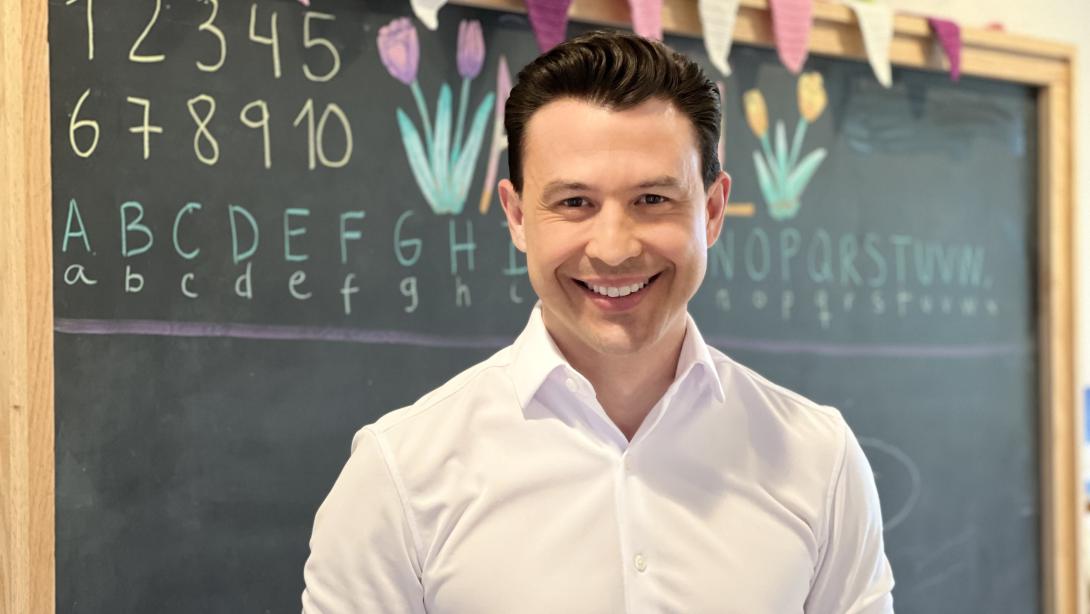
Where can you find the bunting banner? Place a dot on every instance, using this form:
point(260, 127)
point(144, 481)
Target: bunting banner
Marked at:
point(791, 21)
point(647, 18)
point(876, 27)
point(549, 19)
point(717, 18)
point(427, 11)
point(948, 34)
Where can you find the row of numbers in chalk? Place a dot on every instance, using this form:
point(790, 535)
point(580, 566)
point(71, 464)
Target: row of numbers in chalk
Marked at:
point(84, 130)
point(209, 27)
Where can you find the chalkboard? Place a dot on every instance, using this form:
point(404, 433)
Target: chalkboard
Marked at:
point(252, 272)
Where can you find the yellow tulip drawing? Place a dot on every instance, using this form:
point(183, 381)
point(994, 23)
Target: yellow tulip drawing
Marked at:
point(756, 112)
point(812, 97)
point(782, 177)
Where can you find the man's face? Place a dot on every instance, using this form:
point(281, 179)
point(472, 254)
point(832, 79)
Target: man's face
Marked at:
point(613, 202)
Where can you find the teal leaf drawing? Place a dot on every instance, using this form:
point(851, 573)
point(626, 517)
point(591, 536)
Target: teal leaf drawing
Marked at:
point(802, 174)
point(796, 145)
point(463, 104)
point(769, 158)
point(418, 161)
point(440, 163)
point(781, 152)
point(467, 159)
point(765, 180)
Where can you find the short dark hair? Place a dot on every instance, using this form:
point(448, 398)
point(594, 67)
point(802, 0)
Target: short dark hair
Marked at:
point(616, 70)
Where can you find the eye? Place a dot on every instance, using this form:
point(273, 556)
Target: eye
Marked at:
point(573, 202)
point(653, 199)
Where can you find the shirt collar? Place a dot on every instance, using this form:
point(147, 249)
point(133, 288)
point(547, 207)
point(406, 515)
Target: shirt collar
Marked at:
point(535, 357)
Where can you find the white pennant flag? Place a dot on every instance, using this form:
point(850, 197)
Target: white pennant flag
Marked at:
point(876, 26)
point(717, 18)
point(427, 11)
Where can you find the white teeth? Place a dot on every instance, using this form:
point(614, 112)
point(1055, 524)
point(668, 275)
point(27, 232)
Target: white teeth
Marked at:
point(614, 292)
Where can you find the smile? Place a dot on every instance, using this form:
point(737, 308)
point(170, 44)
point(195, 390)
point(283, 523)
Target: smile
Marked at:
point(612, 291)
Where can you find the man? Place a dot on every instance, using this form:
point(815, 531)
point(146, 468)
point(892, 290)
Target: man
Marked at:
point(608, 460)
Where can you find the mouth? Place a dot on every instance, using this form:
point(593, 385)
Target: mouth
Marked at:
point(612, 290)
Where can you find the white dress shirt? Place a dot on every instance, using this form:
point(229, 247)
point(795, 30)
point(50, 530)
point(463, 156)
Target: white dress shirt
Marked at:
point(508, 490)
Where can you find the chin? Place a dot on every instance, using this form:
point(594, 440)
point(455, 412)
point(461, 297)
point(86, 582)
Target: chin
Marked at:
point(618, 342)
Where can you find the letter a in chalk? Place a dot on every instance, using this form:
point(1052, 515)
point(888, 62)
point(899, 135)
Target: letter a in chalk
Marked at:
point(73, 214)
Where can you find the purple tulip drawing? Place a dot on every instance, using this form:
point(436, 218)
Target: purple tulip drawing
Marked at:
point(399, 49)
point(443, 169)
point(470, 49)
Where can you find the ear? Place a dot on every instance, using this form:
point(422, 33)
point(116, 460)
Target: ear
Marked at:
point(716, 206)
point(512, 208)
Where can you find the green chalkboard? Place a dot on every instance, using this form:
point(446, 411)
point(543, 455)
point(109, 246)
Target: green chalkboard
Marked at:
point(253, 272)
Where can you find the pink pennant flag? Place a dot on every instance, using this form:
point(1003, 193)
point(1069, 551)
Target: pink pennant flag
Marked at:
point(549, 19)
point(791, 21)
point(305, 3)
point(948, 34)
point(647, 18)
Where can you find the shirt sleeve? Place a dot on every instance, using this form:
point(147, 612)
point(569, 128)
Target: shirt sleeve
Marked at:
point(362, 552)
point(853, 574)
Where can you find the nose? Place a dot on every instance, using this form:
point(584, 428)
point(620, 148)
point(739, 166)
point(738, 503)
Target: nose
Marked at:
point(613, 237)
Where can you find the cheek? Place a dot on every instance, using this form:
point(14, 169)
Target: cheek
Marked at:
point(546, 252)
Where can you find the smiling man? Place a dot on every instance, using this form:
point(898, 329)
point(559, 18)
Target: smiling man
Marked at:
point(608, 460)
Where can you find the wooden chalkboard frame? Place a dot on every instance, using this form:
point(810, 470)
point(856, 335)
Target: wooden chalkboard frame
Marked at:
point(27, 526)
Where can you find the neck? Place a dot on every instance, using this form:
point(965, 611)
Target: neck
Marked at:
point(629, 385)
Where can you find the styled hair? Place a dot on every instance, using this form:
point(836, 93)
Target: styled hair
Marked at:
point(618, 71)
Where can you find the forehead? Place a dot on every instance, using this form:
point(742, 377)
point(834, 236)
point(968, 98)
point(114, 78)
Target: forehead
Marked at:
point(585, 142)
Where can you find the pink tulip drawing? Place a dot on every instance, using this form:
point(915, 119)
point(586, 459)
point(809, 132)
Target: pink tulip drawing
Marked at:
point(399, 49)
point(470, 49)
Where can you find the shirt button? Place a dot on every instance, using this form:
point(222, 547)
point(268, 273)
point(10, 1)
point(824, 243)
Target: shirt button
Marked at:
point(627, 464)
point(640, 562)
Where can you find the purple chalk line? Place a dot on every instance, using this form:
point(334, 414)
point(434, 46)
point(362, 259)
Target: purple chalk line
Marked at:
point(163, 328)
point(889, 350)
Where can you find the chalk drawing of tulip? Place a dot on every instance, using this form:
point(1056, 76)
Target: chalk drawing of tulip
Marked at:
point(442, 169)
point(781, 175)
point(499, 135)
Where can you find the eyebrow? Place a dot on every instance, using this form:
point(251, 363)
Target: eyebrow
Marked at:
point(553, 187)
point(665, 181)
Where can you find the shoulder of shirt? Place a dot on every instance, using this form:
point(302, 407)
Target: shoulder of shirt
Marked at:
point(790, 405)
point(440, 397)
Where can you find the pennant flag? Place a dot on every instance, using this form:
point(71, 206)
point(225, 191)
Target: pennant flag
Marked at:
point(305, 3)
point(549, 19)
point(647, 18)
point(876, 26)
point(427, 11)
point(791, 21)
point(717, 17)
point(948, 34)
